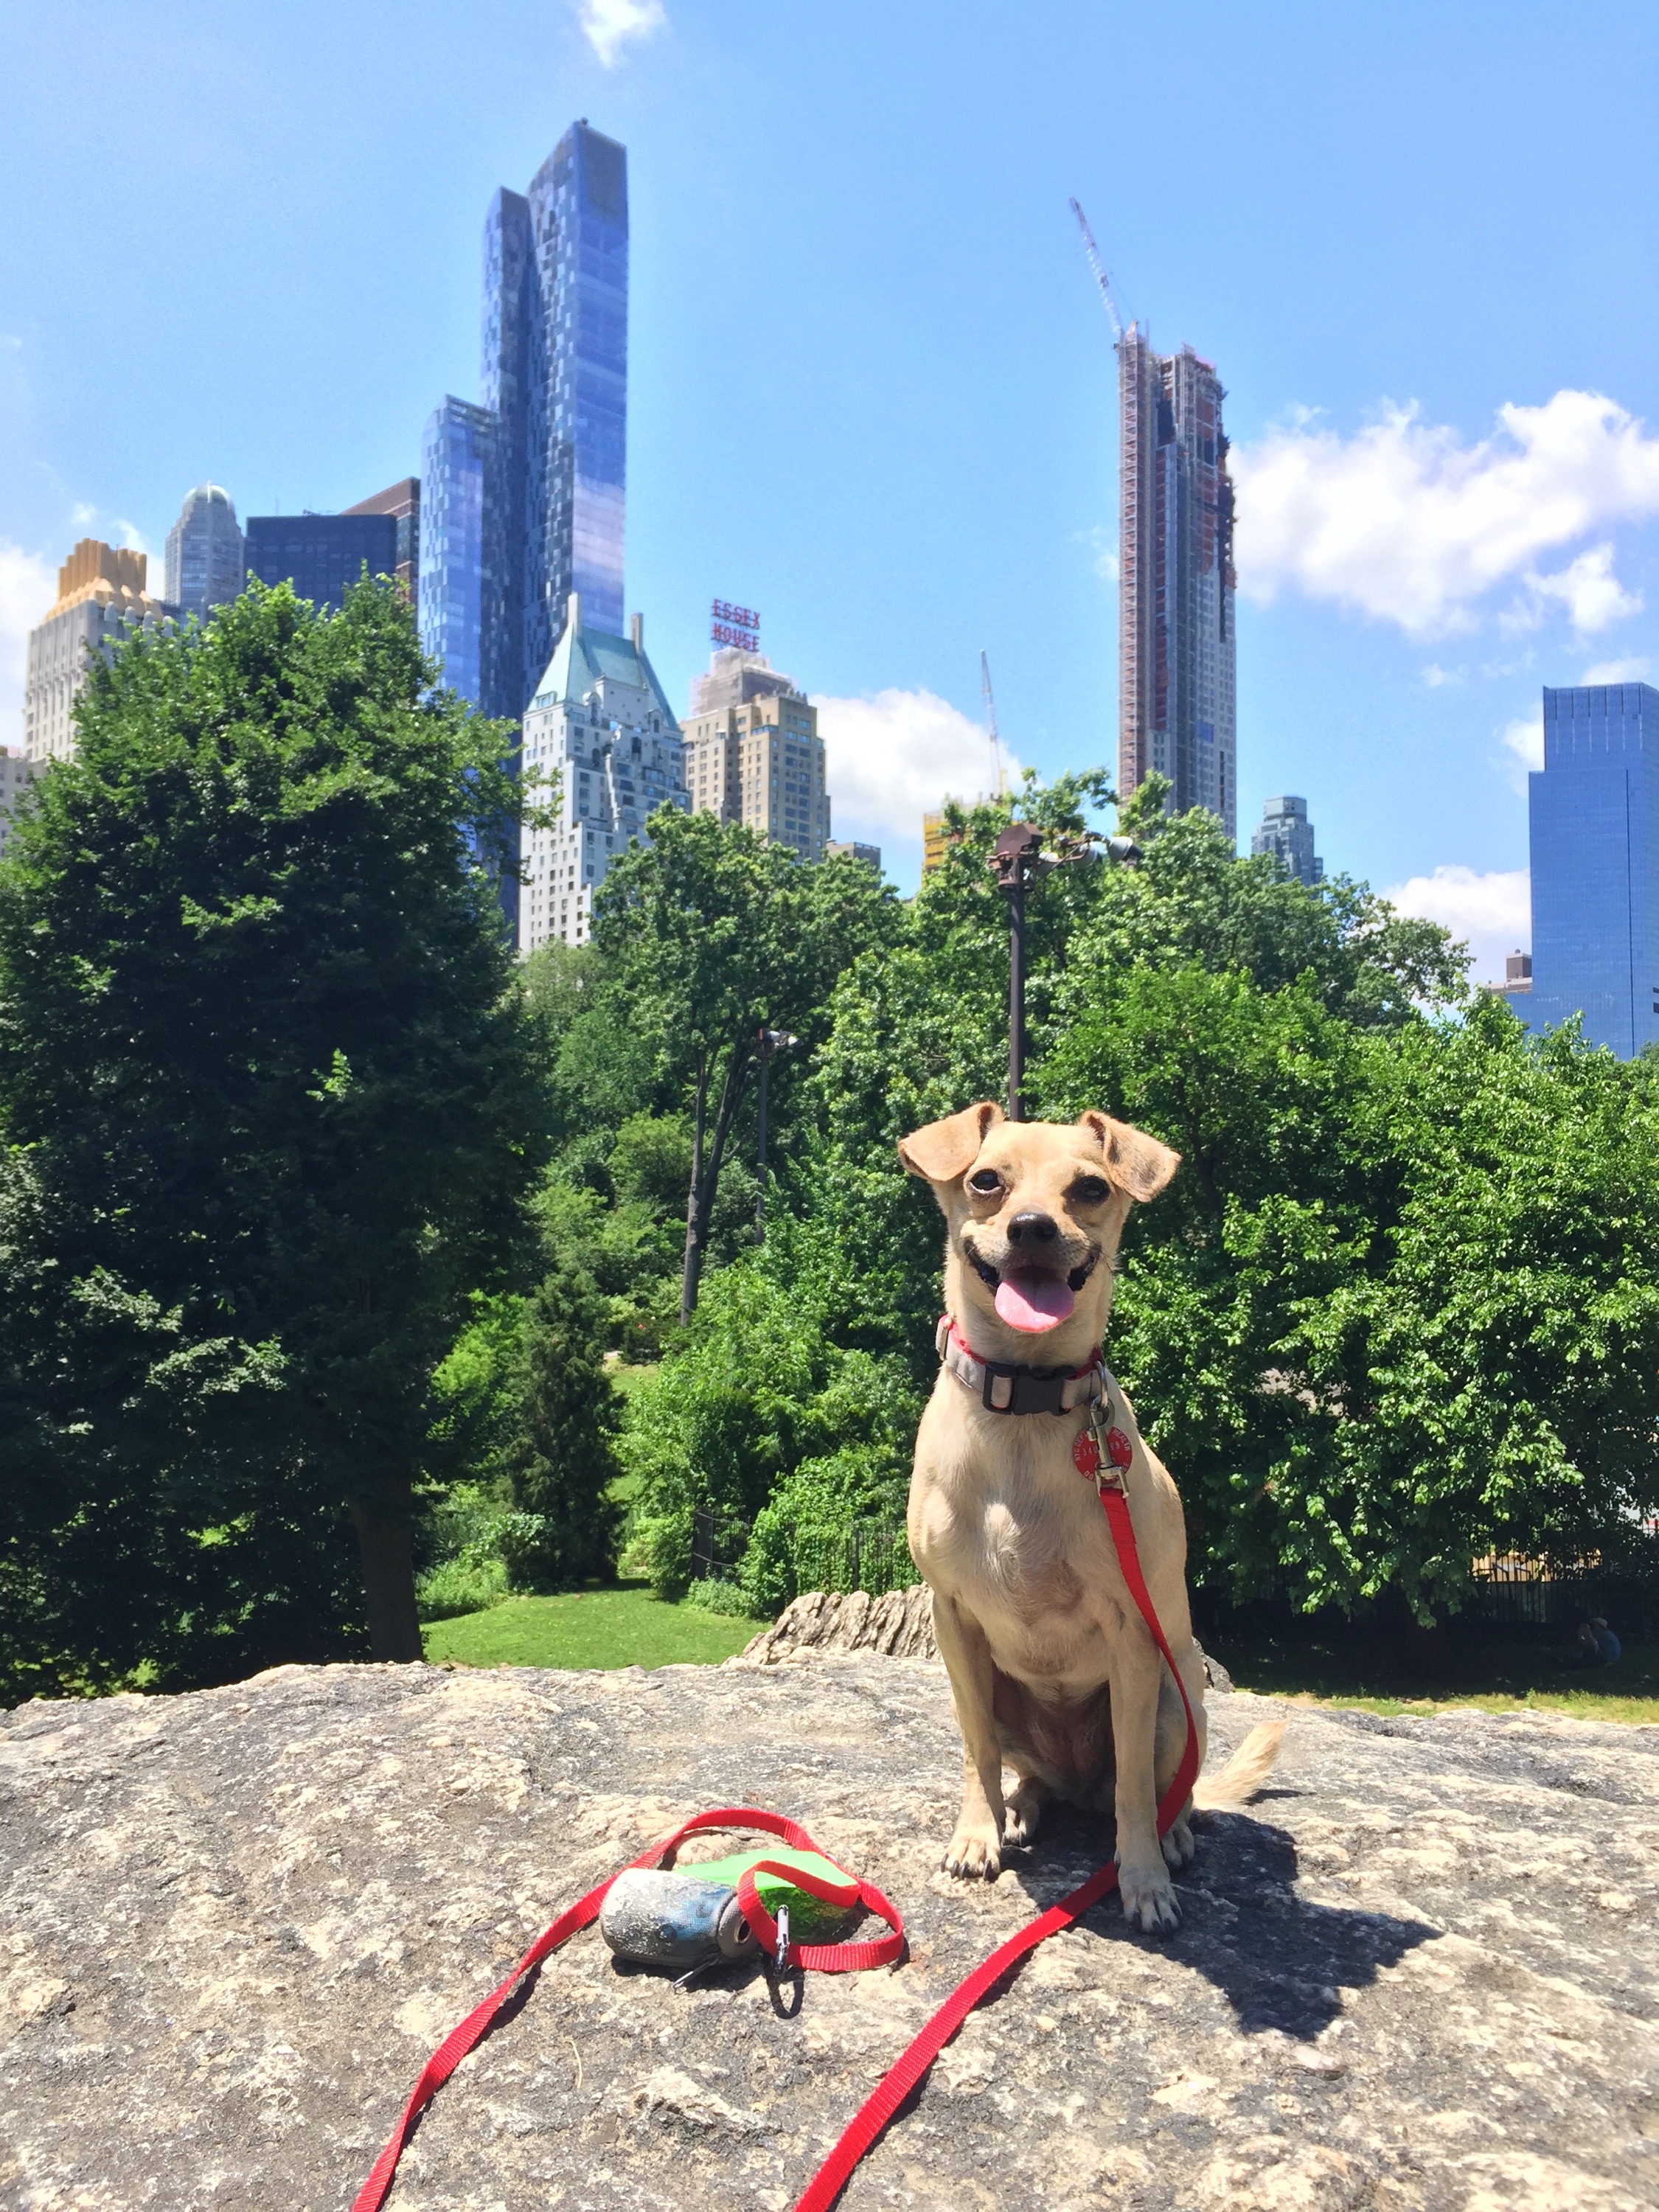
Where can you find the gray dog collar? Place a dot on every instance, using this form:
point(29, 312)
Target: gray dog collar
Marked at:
point(1002, 1388)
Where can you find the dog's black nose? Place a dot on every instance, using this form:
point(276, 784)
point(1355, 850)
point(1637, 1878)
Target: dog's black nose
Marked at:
point(1033, 1228)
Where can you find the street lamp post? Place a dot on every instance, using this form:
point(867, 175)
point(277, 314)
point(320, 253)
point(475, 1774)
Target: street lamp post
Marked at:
point(770, 1042)
point(1016, 861)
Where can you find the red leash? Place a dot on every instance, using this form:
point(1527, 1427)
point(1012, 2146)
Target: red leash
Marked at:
point(824, 1958)
point(889, 2093)
point(903, 2075)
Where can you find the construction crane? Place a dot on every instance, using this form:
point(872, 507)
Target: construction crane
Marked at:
point(997, 769)
point(1101, 277)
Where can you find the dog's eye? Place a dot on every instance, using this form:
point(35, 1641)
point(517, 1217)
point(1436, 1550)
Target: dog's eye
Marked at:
point(986, 1182)
point(1090, 1190)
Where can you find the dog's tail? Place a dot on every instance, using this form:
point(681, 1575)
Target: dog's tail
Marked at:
point(1244, 1773)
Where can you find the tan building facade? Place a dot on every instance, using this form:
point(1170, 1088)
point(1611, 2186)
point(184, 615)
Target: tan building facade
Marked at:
point(753, 753)
point(15, 772)
point(101, 594)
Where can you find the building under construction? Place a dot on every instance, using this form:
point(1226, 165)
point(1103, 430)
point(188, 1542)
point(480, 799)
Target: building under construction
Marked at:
point(1176, 663)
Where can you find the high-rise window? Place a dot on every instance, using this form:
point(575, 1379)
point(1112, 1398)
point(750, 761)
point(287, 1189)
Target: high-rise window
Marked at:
point(205, 557)
point(322, 555)
point(1176, 655)
point(554, 452)
point(456, 454)
point(1594, 835)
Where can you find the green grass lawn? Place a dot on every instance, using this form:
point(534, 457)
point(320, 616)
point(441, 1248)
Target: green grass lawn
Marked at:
point(1499, 1673)
point(623, 1626)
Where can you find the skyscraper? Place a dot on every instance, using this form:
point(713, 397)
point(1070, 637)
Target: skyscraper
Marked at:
point(1176, 655)
point(204, 555)
point(457, 455)
point(601, 721)
point(402, 502)
point(523, 497)
point(101, 598)
point(1594, 810)
point(15, 770)
point(753, 753)
point(1285, 831)
point(322, 555)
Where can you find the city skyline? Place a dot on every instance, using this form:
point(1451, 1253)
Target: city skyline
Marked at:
point(876, 395)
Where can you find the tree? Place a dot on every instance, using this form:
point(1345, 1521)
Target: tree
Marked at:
point(561, 1455)
point(261, 1038)
point(1192, 899)
point(757, 1421)
point(1400, 1306)
point(1395, 1310)
point(712, 934)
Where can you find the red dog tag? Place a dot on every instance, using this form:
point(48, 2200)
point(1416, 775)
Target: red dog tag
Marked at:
point(1118, 1445)
point(1085, 1452)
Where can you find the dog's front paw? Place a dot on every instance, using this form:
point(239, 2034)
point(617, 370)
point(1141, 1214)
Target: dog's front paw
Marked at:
point(974, 1854)
point(1178, 1846)
point(1148, 1899)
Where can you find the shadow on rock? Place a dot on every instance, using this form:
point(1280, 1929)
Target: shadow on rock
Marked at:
point(1281, 1960)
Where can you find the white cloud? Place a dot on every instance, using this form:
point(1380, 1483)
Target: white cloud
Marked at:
point(1634, 670)
point(1491, 913)
point(1523, 740)
point(28, 585)
point(1102, 550)
point(1434, 676)
point(1588, 590)
point(609, 25)
point(890, 758)
point(1405, 523)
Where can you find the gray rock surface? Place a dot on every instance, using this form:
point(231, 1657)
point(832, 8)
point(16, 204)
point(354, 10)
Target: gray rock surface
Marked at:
point(232, 1925)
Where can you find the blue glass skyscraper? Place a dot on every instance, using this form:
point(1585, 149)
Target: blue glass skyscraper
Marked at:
point(1595, 836)
point(541, 463)
point(456, 454)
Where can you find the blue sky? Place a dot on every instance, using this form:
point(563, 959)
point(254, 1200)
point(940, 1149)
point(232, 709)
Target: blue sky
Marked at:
point(871, 388)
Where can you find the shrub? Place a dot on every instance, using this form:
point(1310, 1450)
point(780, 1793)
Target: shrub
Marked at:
point(713, 1594)
point(460, 1585)
point(757, 1400)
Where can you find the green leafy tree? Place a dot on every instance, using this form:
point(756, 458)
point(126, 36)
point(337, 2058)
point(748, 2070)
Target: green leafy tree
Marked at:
point(756, 1413)
point(1192, 899)
point(1367, 1327)
point(712, 934)
point(1401, 1306)
point(261, 1040)
point(561, 1455)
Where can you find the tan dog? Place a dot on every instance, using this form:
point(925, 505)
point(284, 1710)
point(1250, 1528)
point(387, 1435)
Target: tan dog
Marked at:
point(1052, 1671)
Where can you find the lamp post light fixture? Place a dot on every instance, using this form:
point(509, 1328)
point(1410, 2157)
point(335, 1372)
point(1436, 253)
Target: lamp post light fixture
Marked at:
point(1016, 861)
point(766, 1046)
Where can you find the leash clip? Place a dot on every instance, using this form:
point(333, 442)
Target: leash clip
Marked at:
point(780, 1957)
point(1107, 1472)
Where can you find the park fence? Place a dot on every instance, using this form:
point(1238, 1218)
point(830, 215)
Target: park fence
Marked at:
point(1513, 1591)
point(868, 1555)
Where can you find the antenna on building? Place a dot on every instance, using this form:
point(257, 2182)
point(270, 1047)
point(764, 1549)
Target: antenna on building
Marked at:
point(997, 769)
point(1101, 277)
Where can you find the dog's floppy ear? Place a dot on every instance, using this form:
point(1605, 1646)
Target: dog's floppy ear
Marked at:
point(947, 1149)
point(1136, 1163)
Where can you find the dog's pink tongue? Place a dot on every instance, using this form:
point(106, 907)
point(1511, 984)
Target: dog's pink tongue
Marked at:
point(1034, 1301)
